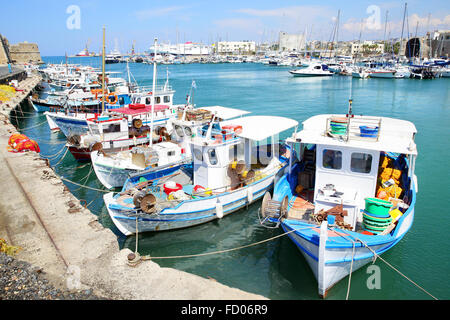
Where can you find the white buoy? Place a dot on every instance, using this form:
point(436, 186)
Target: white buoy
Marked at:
point(219, 210)
point(250, 194)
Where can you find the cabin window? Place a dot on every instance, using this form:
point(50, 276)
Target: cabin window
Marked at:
point(332, 159)
point(188, 131)
point(212, 156)
point(361, 162)
point(148, 100)
point(179, 131)
point(198, 154)
point(121, 101)
point(170, 153)
point(317, 67)
point(166, 99)
point(112, 128)
point(158, 100)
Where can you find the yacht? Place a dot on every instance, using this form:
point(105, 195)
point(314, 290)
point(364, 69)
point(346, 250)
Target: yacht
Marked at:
point(313, 70)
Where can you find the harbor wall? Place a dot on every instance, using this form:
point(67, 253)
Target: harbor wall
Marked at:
point(25, 52)
point(56, 233)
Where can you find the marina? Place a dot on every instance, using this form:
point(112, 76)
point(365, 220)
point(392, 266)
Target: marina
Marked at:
point(267, 175)
point(363, 94)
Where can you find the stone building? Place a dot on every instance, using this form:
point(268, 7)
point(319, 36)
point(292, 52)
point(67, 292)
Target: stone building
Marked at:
point(25, 52)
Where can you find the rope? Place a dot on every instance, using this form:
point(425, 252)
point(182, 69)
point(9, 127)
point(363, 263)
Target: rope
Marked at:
point(61, 158)
point(398, 271)
point(226, 250)
point(53, 155)
point(37, 125)
point(85, 178)
point(87, 187)
point(351, 271)
point(387, 263)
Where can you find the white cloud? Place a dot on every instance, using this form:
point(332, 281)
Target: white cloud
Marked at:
point(394, 28)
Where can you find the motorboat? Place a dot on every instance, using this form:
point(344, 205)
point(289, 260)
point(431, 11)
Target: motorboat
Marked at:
point(312, 70)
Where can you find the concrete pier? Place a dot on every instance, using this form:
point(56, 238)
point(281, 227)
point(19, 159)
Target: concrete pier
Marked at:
point(39, 214)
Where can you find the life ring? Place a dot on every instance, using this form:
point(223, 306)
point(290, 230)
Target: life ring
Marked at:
point(115, 98)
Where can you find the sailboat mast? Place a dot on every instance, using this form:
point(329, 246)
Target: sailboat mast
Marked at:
point(153, 93)
point(103, 72)
point(401, 36)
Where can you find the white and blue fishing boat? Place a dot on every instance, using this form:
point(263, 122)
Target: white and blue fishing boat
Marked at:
point(350, 196)
point(172, 137)
point(230, 170)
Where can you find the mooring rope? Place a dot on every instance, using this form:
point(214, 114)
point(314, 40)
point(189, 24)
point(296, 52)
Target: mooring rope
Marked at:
point(226, 250)
point(377, 256)
point(85, 178)
point(61, 158)
point(52, 156)
point(351, 271)
point(35, 126)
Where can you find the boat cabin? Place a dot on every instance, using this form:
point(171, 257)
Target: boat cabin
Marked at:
point(228, 155)
point(347, 160)
point(192, 121)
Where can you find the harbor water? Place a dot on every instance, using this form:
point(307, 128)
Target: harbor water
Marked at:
point(276, 269)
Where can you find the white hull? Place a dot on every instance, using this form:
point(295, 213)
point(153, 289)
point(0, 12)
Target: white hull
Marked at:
point(332, 264)
point(191, 212)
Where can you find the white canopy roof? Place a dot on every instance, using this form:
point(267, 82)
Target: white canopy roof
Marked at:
point(394, 135)
point(258, 128)
point(225, 112)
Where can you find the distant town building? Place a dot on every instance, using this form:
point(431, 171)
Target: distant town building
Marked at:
point(236, 47)
point(291, 42)
point(367, 47)
point(180, 49)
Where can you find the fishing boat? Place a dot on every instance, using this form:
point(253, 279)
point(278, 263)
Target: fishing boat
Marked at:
point(312, 70)
point(172, 137)
point(350, 196)
point(110, 133)
point(229, 171)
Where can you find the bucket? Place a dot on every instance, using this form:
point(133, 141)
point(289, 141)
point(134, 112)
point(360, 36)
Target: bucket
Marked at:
point(171, 186)
point(370, 132)
point(377, 207)
point(338, 128)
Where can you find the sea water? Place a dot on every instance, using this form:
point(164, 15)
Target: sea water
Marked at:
point(276, 269)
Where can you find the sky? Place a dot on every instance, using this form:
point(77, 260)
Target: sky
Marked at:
point(61, 26)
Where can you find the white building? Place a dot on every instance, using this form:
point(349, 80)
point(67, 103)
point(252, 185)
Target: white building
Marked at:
point(236, 47)
point(291, 42)
point(187, 48)
point(371, 46)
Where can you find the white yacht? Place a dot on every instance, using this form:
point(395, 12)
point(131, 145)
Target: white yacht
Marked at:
point(313, 70)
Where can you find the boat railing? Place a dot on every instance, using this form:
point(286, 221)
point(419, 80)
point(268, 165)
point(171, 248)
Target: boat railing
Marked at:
point(160, 88)
point(359, 128)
